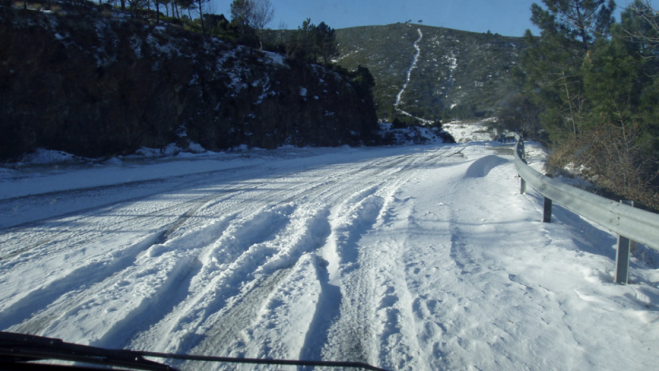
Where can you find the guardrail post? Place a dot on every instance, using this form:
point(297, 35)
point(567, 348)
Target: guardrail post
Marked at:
point(546, 215)
point(522, 155)
point(522, 151)
point(622, 256)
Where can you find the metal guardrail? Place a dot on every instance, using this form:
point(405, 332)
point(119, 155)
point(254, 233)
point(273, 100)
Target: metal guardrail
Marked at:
point(629, 223)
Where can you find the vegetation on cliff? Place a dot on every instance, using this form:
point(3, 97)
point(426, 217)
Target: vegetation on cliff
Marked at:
point(94, 81)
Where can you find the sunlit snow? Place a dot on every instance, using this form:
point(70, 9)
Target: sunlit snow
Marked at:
point(408, 258)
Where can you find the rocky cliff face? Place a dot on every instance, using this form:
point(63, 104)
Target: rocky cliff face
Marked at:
point(99, 85)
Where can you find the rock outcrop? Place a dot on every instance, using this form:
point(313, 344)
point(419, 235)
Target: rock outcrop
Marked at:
point(96, 85)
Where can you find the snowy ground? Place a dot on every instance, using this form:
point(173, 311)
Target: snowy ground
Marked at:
point(408, 258)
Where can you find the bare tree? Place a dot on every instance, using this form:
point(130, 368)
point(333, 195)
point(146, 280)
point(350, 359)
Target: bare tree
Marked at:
point(282, 27)
point(262, 13)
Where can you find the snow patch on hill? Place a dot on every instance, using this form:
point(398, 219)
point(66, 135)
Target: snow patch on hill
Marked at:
point(409, 71)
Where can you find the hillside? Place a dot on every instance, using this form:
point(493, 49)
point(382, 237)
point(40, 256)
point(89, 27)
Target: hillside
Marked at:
point(94, 82)
point(464, 71)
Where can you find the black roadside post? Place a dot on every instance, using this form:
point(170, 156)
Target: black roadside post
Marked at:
point(622, 256)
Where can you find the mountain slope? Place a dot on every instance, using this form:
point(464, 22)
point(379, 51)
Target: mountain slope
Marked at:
point(463, 71)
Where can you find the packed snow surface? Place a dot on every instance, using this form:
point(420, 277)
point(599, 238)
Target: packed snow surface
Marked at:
point(408, 258)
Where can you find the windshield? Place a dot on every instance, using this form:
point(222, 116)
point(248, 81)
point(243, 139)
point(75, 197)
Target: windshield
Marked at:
point(325, 182)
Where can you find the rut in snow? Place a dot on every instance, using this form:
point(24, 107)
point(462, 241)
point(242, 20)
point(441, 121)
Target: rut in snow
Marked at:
point(409, 72)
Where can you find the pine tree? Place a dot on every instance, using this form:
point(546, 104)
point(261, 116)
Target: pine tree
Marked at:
point(200, 6)
point(598, 83)
point(551, 64)
point(578, 22)
point(326, 42)
point(302, 45)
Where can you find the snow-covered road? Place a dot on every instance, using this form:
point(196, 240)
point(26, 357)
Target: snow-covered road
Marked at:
point(407, 258)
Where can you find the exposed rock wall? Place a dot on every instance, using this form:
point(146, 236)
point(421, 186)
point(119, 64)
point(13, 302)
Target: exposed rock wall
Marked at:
point(99, 86)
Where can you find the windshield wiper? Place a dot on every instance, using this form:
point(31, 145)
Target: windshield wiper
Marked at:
point(20, 348)
point(17, 350)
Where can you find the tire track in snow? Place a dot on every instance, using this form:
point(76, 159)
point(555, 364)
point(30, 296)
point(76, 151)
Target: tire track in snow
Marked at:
point(73, 282)
point(59, 231)
point(25, 249)
point(371, 312)
point(79, 279)
point(255, 304)
point(173, 290)
point(307, 231)
point(227, 327)
point(394, 320)
point(35, 234)
point(181, 265)
point(75, 291)
point(330, 190)
point(327, 304)
point(355, 215)
point(286, 314)
point(92, 195)
point(87, 275)
point(332, 301)
point(31, 237)
point(183, 218)
point(351, 336)
point(391, 296)
point(223, 265)
point(325, 313)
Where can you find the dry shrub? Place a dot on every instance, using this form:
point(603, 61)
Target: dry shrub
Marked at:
point(617, 159)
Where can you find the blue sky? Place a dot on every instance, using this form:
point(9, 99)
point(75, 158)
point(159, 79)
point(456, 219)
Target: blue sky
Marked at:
point(505, 17)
